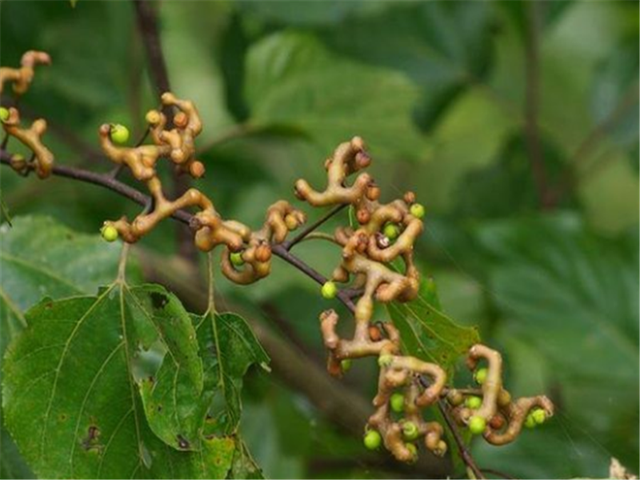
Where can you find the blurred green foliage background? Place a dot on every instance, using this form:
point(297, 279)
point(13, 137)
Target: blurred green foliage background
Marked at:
point(448, 96)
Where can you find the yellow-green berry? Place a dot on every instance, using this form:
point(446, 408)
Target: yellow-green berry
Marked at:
point(345, 364)
point(530, 422)
point(4, 114)
point(236, 259)
point(417, 210)
point(473, 402)
point(329, 290)
point(391, 231)
point(414, 451)
point(119, 134)
point(109, 233)
point(397, 402)
point(477, 425)
point(539, 416)
point(372, 440)
point(480, 376)
point(385, 360)
point(410, 430)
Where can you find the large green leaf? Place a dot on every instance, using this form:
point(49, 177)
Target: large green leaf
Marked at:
point(228, 348)
point(574, 297)
point(71, 384)
point(292, 80)
point(427, 332)
point(41, 257)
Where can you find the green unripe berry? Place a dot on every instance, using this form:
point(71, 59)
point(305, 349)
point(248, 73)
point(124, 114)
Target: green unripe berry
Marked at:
point(236, 259)
point(109, 233)
point(372, 440)
point(391, 231)
point(345, 364)
point(414, 451)
point(530, 422)
point(410, 430)
point(329, 290)
point(385, 360)
point(477, 425)
point(4, 114)
point(480, 376)
point(119, 134)
point(539, 416)
point(473, 402)
point(417, 210)
point(397, 402)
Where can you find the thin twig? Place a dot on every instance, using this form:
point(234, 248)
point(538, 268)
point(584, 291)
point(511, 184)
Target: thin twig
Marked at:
point(497, 473)
point(465, 454)
point(148, 25)
point(280, 251)
point(298, 238)
point(320, 236)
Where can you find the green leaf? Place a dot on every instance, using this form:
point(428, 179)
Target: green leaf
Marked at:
point(12, 465)
point(244, 466)
point(71, 384)
point(573, 296)
point(427, 332)
point(228, 348)
point(168, 389)
point(445, 47)
point(41, 257)
point(614, 101)
point(292, 80)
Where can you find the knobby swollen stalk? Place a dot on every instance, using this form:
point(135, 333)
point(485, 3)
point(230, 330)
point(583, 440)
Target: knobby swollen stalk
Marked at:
point(376, 265)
